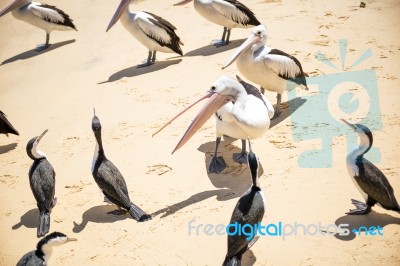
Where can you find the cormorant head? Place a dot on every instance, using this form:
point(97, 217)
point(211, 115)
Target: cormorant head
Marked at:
point(96, 126)
point(364, 132)
point(31, 147)
point(45, 245)
point(253, 165)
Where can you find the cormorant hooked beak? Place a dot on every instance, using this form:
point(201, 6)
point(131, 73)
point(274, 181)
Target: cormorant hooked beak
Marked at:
point(71, 239)
point(41, 135)
point(349, 124)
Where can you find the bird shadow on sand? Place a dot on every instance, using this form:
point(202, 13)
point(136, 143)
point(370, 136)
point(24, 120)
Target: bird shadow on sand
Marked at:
point(30, 220)
point(288, 108)
point(356, 221)
point(231, 183)
point(8, 147)
point(135, 71)
point(211, 49)
point(249, 258)
point(33, 52)
point(98, 214)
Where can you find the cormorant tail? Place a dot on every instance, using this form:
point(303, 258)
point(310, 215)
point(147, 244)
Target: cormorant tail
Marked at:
point(44, 224)
point(235, 261)
point(138, 214)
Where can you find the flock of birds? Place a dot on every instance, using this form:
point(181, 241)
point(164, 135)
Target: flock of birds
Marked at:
point(240, 109)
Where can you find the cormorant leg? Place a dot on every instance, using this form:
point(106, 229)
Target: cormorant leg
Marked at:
point(278, 106)
point(117, 212)
point(217, 164)
point(241, 157)
point(222, 42)
point(42, 47)
point(362, 208)
point(148, 63)
point(153, 59)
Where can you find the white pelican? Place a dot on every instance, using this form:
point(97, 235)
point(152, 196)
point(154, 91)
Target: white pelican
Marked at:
point(270, 68)
point(152, 31)
point(43, 16)
point(241, 112)
point(227, 13)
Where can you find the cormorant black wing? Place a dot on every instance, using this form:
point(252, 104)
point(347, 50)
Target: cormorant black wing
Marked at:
point(30, 259)
point(5, 125)
point(42, 181)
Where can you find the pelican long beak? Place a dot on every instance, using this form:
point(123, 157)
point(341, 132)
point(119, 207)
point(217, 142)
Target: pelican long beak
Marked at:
point(121, 8)
point(246, 45)
point(71, 239)
point(41, 135)
point(215, 102)
point(13, 5)
point(349, 124)
point(181, 3)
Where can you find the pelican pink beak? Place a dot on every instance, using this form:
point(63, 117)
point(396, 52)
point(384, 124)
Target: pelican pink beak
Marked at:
point(13, 5)
point(253, 38)
point(215, 102)
point(121, 8)
point(181, 3)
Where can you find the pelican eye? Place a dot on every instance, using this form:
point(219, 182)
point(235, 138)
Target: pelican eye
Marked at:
point(213, 88)
point(259, 32)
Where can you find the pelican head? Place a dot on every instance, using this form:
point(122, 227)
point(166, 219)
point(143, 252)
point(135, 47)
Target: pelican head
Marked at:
point(365, 134)
point(14, 5)
point(123, 5)
point(31, 147)
point(255, 41)
point(222, 91)
point(181, 3)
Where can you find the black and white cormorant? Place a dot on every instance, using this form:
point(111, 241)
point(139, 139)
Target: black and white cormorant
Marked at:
point(45, 17)
point(42, 179)
point(5, 125)
point(249, 210)
point(110, 180)
point(44, 248)
point(369, 180)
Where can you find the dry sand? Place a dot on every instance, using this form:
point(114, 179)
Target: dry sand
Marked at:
point(58, 89)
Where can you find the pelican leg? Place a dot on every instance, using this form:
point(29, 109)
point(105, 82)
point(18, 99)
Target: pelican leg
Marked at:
point(153, 59)
point(262, 90)
point(217, 164)
point(222, 42)
point(149, 60)
point(278, 106)
point(241, 157)
point(362, 208)
point(42, 47)
point(227, 37)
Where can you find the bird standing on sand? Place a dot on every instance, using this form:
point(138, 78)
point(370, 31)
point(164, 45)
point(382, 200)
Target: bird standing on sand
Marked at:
point(249, 210)
point(272, 69)
point(110, 180)
point(154, 32)
point(227, 13)
point(44, 248)
point(45, 17)
point(5, 125)
point(369, 180)
point(240, 112)
point(42, 179)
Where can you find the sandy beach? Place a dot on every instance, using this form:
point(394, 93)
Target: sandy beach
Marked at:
point(57, 90)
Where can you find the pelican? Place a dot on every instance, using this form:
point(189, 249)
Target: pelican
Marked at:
point(240, 112)
point(154, 32)
point(43, 16)
point(5, 125)
point(270, 68)
point(369, 180)
point(227, 13)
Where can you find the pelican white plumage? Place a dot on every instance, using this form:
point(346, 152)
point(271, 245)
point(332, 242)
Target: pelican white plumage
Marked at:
point(241, 112)
point(154, 32)
point(43, 16)
point(227, 13)
point(272, 69)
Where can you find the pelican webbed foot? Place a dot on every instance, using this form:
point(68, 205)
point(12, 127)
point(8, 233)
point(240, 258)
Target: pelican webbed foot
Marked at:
point(217, 165)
